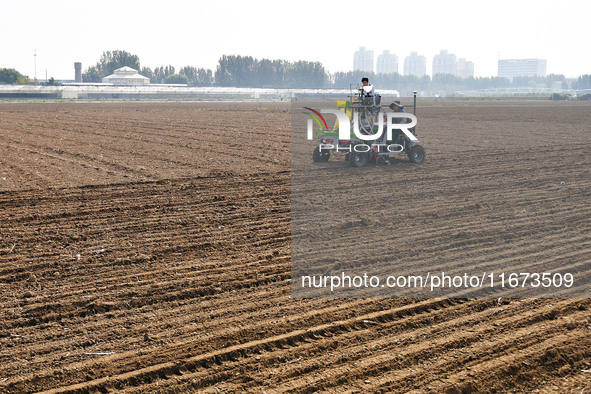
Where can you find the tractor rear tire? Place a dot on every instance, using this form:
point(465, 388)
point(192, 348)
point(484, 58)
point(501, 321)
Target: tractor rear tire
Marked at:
point(319, 156)
point(358, 159)
point(416, 154)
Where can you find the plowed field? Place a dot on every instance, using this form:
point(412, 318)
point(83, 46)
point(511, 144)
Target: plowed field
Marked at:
point(145, 247)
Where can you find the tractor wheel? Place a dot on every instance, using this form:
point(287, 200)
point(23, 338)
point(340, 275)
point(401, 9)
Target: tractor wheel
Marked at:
point(319, 156)
point(416, 154)
point(358, 159)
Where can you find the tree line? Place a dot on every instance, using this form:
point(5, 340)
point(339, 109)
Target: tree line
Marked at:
point(406, 84)
point(246, 71)
point(235, 71)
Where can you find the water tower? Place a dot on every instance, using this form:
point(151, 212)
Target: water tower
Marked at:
point(78, 72)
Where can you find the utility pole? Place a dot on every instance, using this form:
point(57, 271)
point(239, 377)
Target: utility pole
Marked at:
point(35, 57)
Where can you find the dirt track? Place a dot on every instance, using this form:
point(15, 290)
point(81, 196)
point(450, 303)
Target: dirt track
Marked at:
point(141, 251)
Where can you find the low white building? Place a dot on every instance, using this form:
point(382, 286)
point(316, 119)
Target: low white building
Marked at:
point(126, 76)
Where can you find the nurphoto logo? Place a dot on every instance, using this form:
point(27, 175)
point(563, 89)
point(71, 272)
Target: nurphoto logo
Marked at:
point(345, 124)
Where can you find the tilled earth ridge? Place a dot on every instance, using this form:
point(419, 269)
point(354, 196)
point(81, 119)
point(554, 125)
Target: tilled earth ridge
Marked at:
point(145, 247)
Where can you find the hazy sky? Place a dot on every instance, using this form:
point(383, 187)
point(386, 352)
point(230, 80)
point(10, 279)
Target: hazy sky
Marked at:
point(197, 33)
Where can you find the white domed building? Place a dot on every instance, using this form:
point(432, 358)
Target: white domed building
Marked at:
point(126, 76)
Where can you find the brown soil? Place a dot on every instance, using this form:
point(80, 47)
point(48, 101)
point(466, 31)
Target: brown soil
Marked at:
point(145, 247)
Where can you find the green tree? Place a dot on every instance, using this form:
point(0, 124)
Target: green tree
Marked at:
point(160, 73)
point(11, 76)
point(92, 74)
point(344, 79)
point(583, 82)
point(24, 80)
point(52, 82)
point(109, 62)
point(304, 74)
point(237, 71)
point(555, 78)
point(176, 78)
point(245, 71)
point(271, 73)
point(148, 73)
point(197, 76)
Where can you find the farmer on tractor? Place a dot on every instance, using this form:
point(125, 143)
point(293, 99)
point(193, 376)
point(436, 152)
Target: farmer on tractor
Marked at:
point(367, 90)
point(367, 94)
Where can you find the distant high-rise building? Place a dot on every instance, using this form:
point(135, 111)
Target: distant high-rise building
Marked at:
point(464, 68)
point(387, 63)
point(415, 64)
point(444, 63)
point(363, 60)
point(511, 68)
